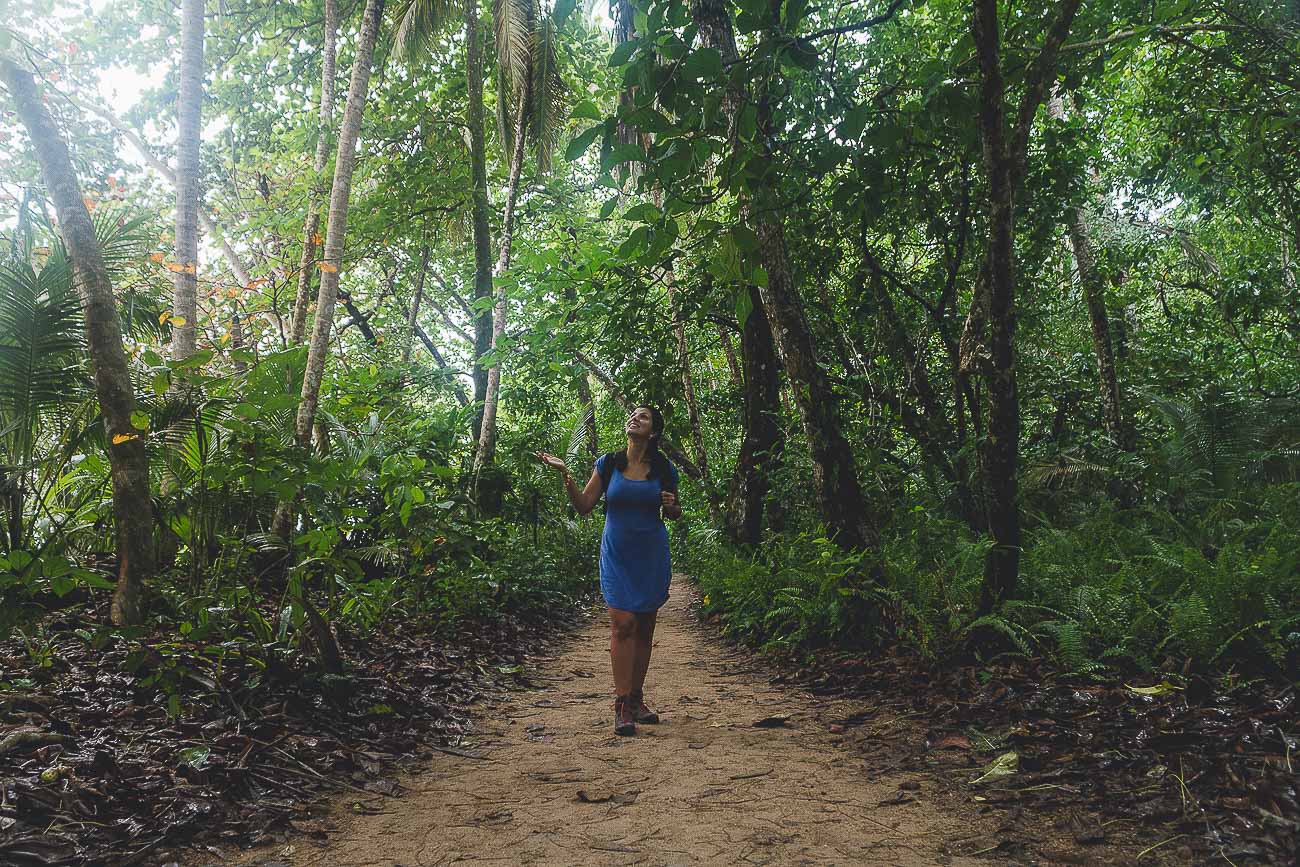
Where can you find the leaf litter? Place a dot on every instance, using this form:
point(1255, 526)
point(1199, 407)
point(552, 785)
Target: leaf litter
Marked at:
point(96, 769)
point(1199, 771)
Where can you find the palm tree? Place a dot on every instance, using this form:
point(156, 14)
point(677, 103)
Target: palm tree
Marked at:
point(311, 227)
point(40, 321)
point(345, 160)
point(419, 21)
point(188, 110)
point(531, 106)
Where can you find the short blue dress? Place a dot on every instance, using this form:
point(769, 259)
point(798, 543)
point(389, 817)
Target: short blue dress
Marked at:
point(635, 566)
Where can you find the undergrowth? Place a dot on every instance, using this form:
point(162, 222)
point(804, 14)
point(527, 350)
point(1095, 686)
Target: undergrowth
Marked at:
point(1119, 591)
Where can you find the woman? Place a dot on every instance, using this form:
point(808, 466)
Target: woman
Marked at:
point(634, 563)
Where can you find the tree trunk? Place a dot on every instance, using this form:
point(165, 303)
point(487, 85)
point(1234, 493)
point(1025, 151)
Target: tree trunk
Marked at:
point(238, 269)
point(729, 350)
point(479, 212)
point(692, 406)
point(344, 162)
point(188, 110)
point(1094, 296)
point(128, 460)
point(688, 390)
point(581, 385)
point(1001, 450)
point(1004, 157)
point(588, 402)
point(487, 441)
point(835, 475)
point(764, 439)
point(438, 358)
point(413, 317)
point(929, 427)
point(311, 227)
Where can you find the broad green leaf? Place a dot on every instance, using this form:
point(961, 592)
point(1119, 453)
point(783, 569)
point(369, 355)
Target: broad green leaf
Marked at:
point(703, 63)
point(746, 240)
point(579, 145)
point(646, 212)
point(587, 110)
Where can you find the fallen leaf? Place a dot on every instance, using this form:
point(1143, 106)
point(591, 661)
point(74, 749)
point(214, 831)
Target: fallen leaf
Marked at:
point(1005, 765)
point(1158, 689)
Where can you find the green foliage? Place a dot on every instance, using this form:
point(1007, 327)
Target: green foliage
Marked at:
point(793, 593)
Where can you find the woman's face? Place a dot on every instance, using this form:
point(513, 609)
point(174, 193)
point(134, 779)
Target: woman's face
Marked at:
point(640, 423)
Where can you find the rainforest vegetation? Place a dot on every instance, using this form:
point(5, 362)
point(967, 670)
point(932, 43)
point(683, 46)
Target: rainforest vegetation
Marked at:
point(976, 326)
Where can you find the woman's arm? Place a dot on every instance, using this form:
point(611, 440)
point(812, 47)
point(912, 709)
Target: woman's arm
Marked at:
point(582, 499)
point(586, 499)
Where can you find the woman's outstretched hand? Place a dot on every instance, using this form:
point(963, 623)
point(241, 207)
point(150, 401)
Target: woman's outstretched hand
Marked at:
point(552, 461)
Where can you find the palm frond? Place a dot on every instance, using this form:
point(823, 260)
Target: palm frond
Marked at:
point(420, 22)
point(549, 93)
point(579, 433)
point(40, 357)
point(514, 22)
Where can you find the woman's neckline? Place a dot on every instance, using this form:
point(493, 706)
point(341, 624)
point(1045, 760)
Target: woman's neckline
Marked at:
point(626, 479)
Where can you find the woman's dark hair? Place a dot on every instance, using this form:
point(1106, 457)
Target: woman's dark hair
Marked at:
point(659, 466)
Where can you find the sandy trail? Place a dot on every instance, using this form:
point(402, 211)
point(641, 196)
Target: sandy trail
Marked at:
point(556, 786)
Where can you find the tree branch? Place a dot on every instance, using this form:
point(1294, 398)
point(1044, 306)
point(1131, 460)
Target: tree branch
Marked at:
point(861, 25)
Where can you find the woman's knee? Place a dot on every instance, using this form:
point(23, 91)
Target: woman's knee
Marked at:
point(623, 627)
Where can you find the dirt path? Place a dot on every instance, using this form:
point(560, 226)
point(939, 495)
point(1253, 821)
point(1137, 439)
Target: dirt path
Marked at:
point(556, 786)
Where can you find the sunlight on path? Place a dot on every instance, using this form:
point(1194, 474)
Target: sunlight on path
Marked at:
point(556, 786)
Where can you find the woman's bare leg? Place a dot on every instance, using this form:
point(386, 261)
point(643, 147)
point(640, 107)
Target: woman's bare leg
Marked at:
point(645, 635)
point(623, 650)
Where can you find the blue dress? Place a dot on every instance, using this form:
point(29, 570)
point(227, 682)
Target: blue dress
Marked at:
point(635, 566)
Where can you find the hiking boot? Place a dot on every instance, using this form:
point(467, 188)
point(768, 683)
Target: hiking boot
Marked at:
point(640, 712)
point(624, 721)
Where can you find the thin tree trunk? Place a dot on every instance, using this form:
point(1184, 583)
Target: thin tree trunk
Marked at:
point(729, 350)
point(487, 441)
point(238, 269)
point(188, 110)
point(1094, 295)
point(479, 212)
point(1001, 450)
point(929, 427)
point(835, 475)
point(1004, 151)
point(764, 440)
point(335, 232)
point(588, 402)
point(438, 358)
point(311, 227)
point(688, 394)
point(688, 383)
point(128, 460)
point(413, 318)
point(581, 385)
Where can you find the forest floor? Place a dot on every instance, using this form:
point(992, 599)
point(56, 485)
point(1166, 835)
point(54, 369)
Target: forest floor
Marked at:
point(740, 771)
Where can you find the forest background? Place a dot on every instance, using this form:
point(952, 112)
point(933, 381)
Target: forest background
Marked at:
point(975, 326)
